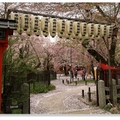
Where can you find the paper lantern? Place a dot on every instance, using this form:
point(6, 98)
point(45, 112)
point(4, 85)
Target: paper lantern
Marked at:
point(96, 30)
point(25, 18)
point(102, 30)
point(109, 30)
point(53, 27)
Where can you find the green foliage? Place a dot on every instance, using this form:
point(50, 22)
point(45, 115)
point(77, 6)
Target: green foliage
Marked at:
point(51, 87)
point(16, 111)
point(52, 78)
point(118, 106)
point(118, 99)
point(14, 65)
point(107, 108)
point(15, 70)
point(65, 5)
point(37, 87)
point(90, 80)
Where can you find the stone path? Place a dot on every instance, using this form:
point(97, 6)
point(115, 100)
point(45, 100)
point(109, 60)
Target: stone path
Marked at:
point(66, 99)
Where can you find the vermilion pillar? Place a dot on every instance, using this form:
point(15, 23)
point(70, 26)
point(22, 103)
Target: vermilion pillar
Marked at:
point(3, 47)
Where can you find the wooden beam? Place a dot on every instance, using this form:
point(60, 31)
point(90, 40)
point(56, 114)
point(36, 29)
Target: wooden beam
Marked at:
point(53, 16)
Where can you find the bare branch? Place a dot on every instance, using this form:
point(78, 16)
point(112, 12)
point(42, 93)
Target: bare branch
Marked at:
point(117, 11)
point(34, 50)
point(103, 14)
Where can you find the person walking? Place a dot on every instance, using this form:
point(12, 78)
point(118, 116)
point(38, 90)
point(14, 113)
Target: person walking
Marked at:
point(75, 73)
point(83, 73)
point(71, 75)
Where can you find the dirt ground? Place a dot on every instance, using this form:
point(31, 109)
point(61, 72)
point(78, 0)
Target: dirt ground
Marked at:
point(66, 99)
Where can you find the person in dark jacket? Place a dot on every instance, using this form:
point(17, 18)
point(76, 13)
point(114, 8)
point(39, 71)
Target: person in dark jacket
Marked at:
point(71, 73)
point(83, 73)
point(75, 73)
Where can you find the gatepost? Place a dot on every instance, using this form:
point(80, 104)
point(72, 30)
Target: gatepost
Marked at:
point(6, 29)
point(26, 103)
point(114, 92)
point(101, 94)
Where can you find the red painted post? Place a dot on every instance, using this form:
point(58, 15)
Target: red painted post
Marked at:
point(3, 47)
point(1, 56)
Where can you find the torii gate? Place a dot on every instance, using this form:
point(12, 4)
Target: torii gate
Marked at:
point(6, 29)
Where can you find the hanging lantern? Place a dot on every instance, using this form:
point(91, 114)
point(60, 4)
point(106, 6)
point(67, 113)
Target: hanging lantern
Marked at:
point(53, 27)
point(102, 30)
point(61, 28)
point(96, 30)
point(25, 19)
point(45, 26)
point(90, 30)
point(109, 30)
point(60, 25)
point(83, 28)
point(17, 18)
point(35, 23)
point(68, 27)
point(76, 28)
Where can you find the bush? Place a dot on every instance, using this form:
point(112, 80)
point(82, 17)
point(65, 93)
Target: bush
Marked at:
point(16, 111)
point(90, 80)
point(37, 87)
point(51, 87)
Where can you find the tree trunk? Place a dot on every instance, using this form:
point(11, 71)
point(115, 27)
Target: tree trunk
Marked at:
point(94, 53)
point(98, 57)
point(113, 47)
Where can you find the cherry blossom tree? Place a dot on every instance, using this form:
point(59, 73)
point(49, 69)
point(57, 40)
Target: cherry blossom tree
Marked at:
point(94, 12)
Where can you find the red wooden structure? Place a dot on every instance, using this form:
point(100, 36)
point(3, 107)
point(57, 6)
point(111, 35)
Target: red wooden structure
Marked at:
point(6, 29)
point(104, 73)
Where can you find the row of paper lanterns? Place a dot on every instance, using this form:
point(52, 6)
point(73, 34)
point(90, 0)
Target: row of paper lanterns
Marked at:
point(63, 28)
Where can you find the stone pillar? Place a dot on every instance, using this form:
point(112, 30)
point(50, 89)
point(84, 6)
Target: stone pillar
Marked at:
point(114, 92)
point(118, 81)
point(26, 102)
point(101, 94)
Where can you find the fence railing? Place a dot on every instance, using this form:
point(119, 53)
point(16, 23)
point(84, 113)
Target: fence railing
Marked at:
point(42, 77)
point(104, 92)
point(13, 94)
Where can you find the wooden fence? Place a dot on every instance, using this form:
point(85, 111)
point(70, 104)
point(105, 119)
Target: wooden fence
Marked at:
point(104, 93)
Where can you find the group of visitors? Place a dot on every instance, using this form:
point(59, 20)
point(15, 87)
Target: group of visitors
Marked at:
point(74, 72)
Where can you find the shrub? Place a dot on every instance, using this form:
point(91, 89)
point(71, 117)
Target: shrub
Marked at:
point(37, 87)
point(51, 87)
point(16, 111)
point(90, 80)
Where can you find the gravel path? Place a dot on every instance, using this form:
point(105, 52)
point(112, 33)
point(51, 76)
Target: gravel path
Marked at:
point(66, 99)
